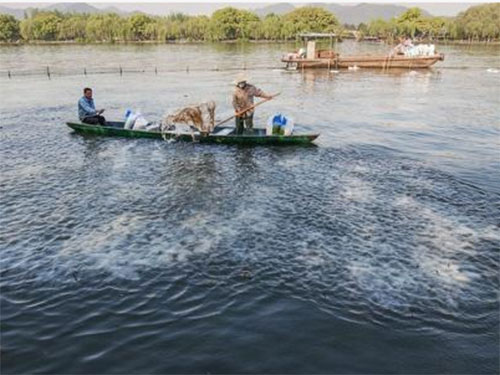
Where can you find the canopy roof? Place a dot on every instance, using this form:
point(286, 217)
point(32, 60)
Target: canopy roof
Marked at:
point(317, 35)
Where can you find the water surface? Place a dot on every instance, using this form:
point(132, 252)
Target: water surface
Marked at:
point(375, 251)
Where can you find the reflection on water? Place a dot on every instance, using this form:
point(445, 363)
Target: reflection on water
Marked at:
point(197, 258)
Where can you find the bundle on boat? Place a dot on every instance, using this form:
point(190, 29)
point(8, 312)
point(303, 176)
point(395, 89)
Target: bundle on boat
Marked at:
point(200, 117)
point(414, 50)
point(136, 121)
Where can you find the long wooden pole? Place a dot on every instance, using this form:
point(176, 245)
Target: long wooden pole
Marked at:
point(243, 111)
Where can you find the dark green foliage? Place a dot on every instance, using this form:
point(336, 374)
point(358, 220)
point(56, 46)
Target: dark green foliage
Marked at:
point(41, 26)
point(481, 22)
point(231, 23)
point(309, 19)
point(9, 28)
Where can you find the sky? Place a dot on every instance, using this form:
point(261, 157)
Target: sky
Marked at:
point(206, 7)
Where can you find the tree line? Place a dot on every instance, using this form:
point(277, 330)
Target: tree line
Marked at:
point(224, 24)
point(481, 22)
point(477, 23)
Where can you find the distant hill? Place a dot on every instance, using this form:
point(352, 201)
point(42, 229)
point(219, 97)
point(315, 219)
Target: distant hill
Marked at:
point(350, 14)
point(73, 8)
point(347, 14)
point(113, 10)
point(355, 14)
point(279, 8)
point(18, 13)
point(64, 8)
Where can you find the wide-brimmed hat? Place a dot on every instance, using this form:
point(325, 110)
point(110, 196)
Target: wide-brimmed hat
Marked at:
point(241, 77)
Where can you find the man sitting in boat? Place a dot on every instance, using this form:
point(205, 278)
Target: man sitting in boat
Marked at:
point(243, 99)
point(86, 109)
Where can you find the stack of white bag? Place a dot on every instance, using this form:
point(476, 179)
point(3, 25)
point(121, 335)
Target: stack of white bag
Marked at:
point(136, 121)
point(421, 50)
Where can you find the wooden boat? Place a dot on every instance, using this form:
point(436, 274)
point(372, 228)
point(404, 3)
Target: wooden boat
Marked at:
point(220, 135)
point(323, 59)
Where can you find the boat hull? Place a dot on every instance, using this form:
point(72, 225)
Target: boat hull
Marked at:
point(258, 137)
point(375, 62)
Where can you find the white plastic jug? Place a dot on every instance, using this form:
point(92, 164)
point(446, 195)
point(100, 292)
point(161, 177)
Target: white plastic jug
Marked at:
point(129, 124)
point(269, 126)
point(290, 124)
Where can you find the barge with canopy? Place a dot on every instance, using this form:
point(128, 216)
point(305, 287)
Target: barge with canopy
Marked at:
point(312, 58)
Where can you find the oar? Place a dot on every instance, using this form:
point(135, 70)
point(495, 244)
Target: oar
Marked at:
point(243, 111)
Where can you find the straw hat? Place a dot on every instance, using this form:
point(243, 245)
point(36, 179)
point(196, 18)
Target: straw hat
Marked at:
point(241, 77)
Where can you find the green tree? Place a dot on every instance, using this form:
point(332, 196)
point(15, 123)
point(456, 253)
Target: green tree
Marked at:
point(138, 28)
point(435, 27)
point(272, 27)
point(309, 19)
point(196, 28)
point(410, 23)
point(380, 28)
point(480, 22)
point(9, 28)
point(104, 28)
point(42, 26)
point(231, 23)
point(73, 27)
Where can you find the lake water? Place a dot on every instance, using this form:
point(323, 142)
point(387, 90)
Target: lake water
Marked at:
point(375, 251)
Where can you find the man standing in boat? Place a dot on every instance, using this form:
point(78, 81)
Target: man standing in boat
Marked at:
point(243, 99)
point(86, 109)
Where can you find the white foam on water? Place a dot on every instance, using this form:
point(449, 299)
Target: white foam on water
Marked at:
point(290, 162)
point(450, 243)
point(310, 254)
point(492, 70)
point(101, 245)
point(438, 262)
point(311, 257)
point(382, 284)
point(491, 233)
point(28, 171)
point(120, 156)
point(118, 247)
point(355, 189)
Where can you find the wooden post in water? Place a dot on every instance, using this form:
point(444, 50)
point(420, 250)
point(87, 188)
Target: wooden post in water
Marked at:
point(8, 73)
point(48, 72)
point(187, 69)
point(85, 71)
point(156, 70)
point(121, 71)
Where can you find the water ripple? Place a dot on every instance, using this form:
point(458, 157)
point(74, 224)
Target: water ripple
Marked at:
point(141, 256)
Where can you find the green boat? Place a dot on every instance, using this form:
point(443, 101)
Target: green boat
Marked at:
point(220, 135)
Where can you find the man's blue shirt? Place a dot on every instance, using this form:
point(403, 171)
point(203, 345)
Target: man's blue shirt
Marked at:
point(86, 108)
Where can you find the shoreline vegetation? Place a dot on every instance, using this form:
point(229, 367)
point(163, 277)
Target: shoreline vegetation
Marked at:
point(478, 24)
point(198, 42)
